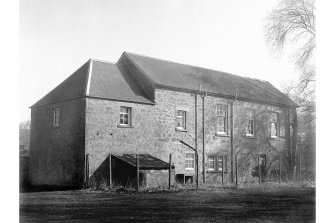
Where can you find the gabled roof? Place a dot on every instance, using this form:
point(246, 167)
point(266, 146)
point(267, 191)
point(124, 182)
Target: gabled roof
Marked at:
point(97, 79)
point(72, 87)
point(174, 75)
point(146, 161)
point(112, 81)
point(135, 80)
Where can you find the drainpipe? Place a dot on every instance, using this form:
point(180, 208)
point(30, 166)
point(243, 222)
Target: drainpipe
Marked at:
point(231, 143)
point(203, 138)
point(232, 138)
point(196, 134)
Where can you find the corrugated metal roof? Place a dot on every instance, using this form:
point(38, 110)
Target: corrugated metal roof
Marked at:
point(146, 161)
point(182, 76)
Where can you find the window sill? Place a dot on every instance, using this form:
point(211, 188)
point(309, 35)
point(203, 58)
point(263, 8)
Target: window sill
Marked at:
point(250, 137)
point(216, 171)
point(189, 169)
point(221, 135)
point(181, 130)
point(276, 138)
point(125, 126)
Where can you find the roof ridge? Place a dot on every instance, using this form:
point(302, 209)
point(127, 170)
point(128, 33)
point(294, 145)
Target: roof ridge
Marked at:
point(184, 64)
point(103, 61)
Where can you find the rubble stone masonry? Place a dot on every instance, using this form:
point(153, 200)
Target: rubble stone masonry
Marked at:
point(153, 131)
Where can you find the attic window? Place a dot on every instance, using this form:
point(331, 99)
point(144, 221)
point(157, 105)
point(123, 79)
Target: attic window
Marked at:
point(274, 125)
point(56, 117)
point(221, 112)
point(125, 116)
point(181, 120)
point(250, 130)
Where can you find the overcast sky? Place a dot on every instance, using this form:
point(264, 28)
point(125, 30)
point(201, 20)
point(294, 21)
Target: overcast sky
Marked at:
point(58, 36)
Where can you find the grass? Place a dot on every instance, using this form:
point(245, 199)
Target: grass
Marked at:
point(182, 204)
point(102, 185)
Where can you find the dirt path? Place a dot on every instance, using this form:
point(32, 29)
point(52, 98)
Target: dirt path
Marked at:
point(280, 205)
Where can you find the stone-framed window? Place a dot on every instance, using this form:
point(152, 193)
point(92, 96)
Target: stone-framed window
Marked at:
point(221, 112)
point(189, 161)
point(262, 160)
point(181, 120)
point(274, 124)
point(250, 129)
point(56, 112)
point(125, 116)
point(217, 162)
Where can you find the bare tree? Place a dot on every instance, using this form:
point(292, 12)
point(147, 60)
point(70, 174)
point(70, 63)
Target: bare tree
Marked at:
point(294, 21)
point(24, 124)
point(292, 24)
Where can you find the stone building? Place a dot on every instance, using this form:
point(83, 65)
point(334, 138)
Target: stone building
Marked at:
point(144, 105)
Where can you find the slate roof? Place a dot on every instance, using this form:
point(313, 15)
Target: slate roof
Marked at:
point(146, 161)
point(112, 81)
point(181, 76)
point(105, 80)
point(72, 87)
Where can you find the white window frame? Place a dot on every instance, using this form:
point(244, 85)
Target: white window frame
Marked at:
point(192, 159)
point(216, 163)
point(222, 113)
point(56, 114)
point(252, 120)
point(127, 112)
point(274, 124)
point(211, 159)
point(181, 116)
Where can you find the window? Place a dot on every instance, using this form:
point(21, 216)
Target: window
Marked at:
point(274, 125)
point(56, 117)
point(221, 112)
point(215, 163)
point(250, 131)
point(262, 160)
point(181, 119)
point(211, 163)
point(125, 116)
point(189, 161)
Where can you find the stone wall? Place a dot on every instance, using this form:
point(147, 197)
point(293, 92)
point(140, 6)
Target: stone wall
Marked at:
point(57, 153)
point(153, 131)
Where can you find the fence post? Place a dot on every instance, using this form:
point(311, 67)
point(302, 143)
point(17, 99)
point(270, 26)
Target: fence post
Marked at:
point(222, 173)
point(137, 173)
point(259, 171)
point(235, 171)
point(110, 171)
point(85, 170)
point(279, 169)
point(170, 166)
point(197, 159)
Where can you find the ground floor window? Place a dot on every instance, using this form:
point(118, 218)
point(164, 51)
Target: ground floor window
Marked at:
point(217, 163)
point(262, 160)
point(189, 161)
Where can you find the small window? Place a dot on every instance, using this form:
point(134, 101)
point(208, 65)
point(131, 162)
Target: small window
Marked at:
point(211, 163)
point(274, 125)
point(215, 163)
point(56, 116)
point(181, 119)
point(250, 131)
point(125, 116)
point(221, 112)
point(189, 161)
point(262, 160)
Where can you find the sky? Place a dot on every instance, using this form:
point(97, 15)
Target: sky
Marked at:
point(58, 36)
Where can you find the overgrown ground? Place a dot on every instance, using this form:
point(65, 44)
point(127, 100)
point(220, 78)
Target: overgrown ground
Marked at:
point(280, 204)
